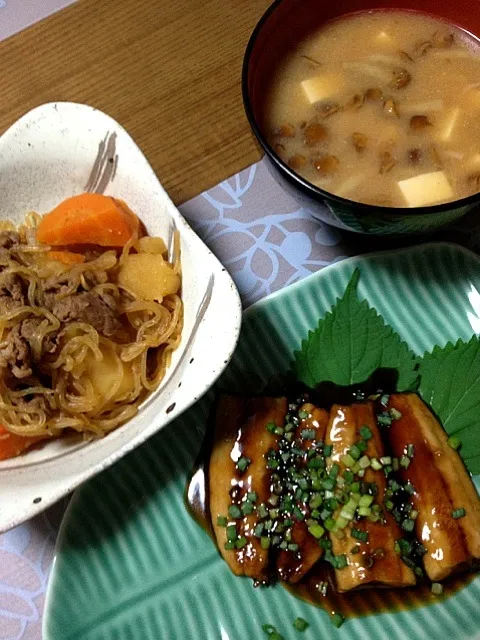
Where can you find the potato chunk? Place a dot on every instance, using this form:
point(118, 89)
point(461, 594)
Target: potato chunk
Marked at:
point(147, 244)
point(148, 276)
point(321, 87)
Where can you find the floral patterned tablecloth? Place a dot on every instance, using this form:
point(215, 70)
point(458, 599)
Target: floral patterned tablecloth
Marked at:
point(16, 15)
point(266, 242)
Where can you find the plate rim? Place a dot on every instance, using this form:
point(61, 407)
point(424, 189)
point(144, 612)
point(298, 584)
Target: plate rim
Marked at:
point(255, 307)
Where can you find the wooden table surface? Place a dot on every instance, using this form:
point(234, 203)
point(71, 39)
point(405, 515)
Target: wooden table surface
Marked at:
point(167, 70)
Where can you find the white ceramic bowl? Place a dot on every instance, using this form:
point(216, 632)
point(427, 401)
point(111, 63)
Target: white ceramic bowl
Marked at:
point(58, 150)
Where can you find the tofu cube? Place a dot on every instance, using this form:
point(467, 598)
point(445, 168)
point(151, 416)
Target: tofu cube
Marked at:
point(449, 125)
point(426, 189)
point(321, 87)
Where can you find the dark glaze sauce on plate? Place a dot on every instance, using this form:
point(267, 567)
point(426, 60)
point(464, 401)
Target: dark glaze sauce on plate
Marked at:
point(351, 604)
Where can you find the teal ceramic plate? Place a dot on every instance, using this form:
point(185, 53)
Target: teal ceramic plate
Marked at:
point(130, 562)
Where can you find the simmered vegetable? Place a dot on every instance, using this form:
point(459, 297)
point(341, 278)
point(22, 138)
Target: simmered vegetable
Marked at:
point(89, 218)
point(148, 275)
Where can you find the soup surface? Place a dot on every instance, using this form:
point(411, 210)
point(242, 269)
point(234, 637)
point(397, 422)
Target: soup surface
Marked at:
point(381, 107)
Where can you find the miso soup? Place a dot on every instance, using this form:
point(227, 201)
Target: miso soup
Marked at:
point(381, 107)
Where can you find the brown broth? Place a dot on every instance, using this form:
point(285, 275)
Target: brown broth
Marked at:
point(397, 97)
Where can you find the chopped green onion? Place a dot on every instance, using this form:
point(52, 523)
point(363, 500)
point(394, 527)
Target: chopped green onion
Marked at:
point(347, 460)
point(454, 442)
point(308, 434)
point(384, 399)
point(300, 624)
point(231, 532)
point(273, 500)
point(315, 501)
point(365, 501)
point(298, 514)
point(366, 432)
point(364, 511)
point(437, 588)
point(273, 514)
point(229, 545)
point(293, 546)
point(395, 414)
point(327, 450)
point(316, 530)
point(393, 485)
point(222, 521)
point(348, 475)
point(315, 463)
point(364, 462)
point(272, 632)
point(355, 452)
point(334, 470)
point(386, 460)
point(458, 513)
point(362, 446)
point(278, 431)
point(329, 524)
point(246, 508)
point(340, 561)
point(384, 419)
point(302, 415)
point(234, 511)
point(413, 514)
point(358, 534)
point(241, 542)
point(405, 462)
point(257, 532)
point(395, 464)
point(289, 427)
point(337, 620)
point(270, 426)
point(243, 463)
point(265, 542)
point(272, 463)
point(408, 524)
point(325, 543)
point(376, 464)
point(262, 510)
point(410, 450)
point(251, 496)
point(303, 483)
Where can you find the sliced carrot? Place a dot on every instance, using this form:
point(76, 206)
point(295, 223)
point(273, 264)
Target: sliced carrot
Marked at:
point(89, 218)
point(12, 445)
point(66, 257)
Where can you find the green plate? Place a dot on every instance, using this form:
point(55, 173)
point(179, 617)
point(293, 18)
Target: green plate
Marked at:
point(132, 564)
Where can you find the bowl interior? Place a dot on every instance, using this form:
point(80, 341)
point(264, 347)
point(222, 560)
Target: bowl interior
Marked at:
point(289, 21)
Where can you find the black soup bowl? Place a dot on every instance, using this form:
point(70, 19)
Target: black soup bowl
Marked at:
point(289, 21)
